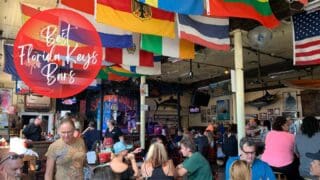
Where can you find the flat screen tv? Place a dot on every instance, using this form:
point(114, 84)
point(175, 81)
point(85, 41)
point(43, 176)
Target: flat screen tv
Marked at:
point(200, 99)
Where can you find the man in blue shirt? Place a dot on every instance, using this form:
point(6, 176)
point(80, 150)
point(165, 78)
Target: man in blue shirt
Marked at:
point(91, 136)
point(260, 170)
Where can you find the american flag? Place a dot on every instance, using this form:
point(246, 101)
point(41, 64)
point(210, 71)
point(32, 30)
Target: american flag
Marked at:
point(307, 38)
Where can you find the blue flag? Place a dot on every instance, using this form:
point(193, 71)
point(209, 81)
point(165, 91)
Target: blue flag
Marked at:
point(9, 66)
point(192, 7)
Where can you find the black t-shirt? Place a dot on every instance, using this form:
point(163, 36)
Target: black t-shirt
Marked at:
point(230, 145)
point(115, 133)
point(90, 137)
point(32, 132)
point(107, 173)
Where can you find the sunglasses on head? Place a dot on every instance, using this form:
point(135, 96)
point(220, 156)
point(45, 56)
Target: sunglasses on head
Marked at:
point(12, 157)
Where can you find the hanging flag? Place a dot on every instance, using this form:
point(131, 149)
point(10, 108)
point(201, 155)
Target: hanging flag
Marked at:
point(22, 88)
point(155, 70)
point(30, 8)
point(306, 38)
point(41, 3)
point(136, 17)
point(130, 56)
point(251, 9)
point(178, 48)
point(115, 73)
point(304, 2)
point(28, 11)
point(105, 74)
point(110, 36)
point(121, 72)
point(9, 62)
point(206, 31)
point(86, 6)
point(194, 7)
point(74, 38)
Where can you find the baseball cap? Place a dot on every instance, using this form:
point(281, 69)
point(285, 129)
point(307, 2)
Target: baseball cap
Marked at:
point(315, 156)
point(120, 146)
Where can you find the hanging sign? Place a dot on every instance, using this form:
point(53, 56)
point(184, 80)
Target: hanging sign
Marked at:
point(57, 53)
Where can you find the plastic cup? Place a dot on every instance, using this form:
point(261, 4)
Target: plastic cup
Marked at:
point(104, 157)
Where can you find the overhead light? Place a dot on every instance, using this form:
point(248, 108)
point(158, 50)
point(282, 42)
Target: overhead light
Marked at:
point(203, 88)
point(281, 73)
point(253, 62)
point(174, 60)
point(226, 71)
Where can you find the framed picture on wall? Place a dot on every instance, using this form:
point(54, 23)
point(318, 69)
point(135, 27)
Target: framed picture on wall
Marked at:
point(290, 101)
point(276, 111)
point(263, 116)
point(223, 109)
point(5, 99)
point(203, 116)
point(208, 111)
point(270, 112)
point(213, 109)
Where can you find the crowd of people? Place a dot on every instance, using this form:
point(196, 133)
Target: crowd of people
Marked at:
point(296, 156)
point(67, 156)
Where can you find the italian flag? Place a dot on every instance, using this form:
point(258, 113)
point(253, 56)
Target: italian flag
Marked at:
point(178, 48)
point(252, 9)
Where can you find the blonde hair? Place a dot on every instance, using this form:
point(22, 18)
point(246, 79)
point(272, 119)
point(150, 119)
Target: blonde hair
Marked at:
point(157, 154)
point(240, 170)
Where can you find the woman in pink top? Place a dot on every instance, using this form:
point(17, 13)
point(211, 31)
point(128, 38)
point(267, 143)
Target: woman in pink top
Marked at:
point(279, 149)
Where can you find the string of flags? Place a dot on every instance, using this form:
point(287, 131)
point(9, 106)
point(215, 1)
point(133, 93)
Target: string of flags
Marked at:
point(133, 32)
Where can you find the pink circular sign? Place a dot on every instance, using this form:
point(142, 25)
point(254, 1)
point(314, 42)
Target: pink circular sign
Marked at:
point(57, 53)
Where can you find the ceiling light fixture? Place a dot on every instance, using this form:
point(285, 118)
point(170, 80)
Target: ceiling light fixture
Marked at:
point(281, 73)
point(253, 62)
point(226, 71)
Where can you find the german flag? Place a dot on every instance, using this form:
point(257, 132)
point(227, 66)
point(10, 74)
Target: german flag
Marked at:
point(136, 17)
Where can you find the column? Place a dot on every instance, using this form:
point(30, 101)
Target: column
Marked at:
point(238, 61)
point(142, 112)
